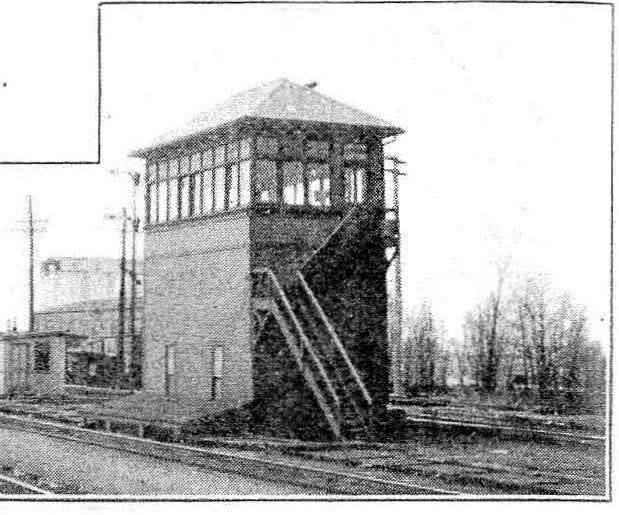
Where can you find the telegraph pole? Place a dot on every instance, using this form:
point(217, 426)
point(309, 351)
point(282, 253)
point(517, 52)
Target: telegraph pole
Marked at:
point(121, 296)
point(31, 267)
point(397, 353)
point(30, 230)
point(135, 225)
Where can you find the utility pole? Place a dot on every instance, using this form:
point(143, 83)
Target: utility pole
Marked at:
point(120, 355)
point(31, 267)
point(397, 346)
point(30, 230)
point(135, 225)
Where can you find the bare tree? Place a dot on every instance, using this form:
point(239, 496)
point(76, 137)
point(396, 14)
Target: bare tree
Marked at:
point(485, 334)
point(423, 351)
point(553, 345)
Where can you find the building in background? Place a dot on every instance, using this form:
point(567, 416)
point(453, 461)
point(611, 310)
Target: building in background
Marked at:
point(67, 280)
point(80, 296)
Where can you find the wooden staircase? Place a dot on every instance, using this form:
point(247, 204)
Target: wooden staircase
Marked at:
point(317, 350)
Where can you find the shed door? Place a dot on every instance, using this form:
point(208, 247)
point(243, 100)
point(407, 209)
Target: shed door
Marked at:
point(18, 366)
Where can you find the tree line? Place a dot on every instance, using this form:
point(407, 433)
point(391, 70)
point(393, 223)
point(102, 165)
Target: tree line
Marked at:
point(525, 339)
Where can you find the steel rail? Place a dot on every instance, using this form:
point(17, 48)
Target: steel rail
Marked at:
point(334, 481)
point(22, 484)
point(518, 430)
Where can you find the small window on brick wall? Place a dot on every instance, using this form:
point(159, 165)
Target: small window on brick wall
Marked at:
point(41, 356)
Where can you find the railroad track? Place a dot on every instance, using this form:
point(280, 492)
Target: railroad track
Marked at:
point(325, 479)
point(513, 430)
point(11, 486)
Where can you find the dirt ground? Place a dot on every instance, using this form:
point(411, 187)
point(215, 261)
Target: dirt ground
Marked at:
point(479, 464)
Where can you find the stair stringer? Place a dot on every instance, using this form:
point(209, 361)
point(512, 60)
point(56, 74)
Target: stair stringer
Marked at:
point(272, 308)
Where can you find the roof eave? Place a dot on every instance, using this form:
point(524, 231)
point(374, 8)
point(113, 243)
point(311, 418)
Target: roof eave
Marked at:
point(145, 152)
point(383, 131)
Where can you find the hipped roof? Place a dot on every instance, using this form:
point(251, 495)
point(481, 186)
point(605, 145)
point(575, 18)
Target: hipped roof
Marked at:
point(277, 100)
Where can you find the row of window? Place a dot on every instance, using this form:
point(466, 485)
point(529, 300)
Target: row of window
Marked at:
point(219, 189)
point(305, 185)
point(229, 187)
point(207, 159)
point(237, 151)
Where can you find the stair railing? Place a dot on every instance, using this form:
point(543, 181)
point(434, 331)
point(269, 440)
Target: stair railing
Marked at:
point(334, 337)
point(267, 272)
point(353, 211)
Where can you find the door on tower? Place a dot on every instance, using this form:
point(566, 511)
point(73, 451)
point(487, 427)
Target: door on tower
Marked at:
point(170, 365)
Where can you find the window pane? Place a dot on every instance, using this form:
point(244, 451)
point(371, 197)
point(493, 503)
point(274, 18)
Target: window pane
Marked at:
point(162, 170)
point(265, 180)
point(207, 192)
point(185, 196)
point(173, 208)
point(294, 187)
point(293, 147)
point(207, 158)
point(233, 186)
point(245, 148)
point(244, 182)
point(360, 180)
point(220, 188)
point(151, 172)
point(152, 204)
point(319, 184)
point(184, 165)
point(355, 152)
point(354, 188)
point(267, 146)
point(220, 155)
point(42, 357)
point(162, 210)
point(317, 149)
point(196, 162)
point(349, 184)
point(173, 167)
point(233, 152)
point(197, 193)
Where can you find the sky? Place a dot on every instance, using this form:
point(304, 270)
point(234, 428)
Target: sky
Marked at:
point(506, 110)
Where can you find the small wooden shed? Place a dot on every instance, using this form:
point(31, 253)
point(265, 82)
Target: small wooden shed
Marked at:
point(33, 362)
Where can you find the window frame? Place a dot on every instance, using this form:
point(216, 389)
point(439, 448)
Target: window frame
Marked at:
point(45, 366)
point(304, 183)
point(256, 201)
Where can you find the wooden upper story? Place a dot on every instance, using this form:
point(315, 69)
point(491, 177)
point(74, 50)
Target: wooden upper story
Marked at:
point(279, 147)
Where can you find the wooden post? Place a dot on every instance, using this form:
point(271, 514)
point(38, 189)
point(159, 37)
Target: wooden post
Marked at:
point(120, 353)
